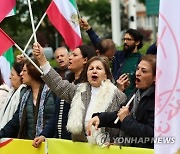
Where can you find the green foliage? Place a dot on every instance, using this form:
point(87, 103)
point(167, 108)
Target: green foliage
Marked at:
point(97, 11)
point(142, 1)
point(144, 48)
point(17, 52)
point(53, 63)
point(19, 27)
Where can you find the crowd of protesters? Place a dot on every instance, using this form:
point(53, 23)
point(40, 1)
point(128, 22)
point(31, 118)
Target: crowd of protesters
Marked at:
point(82, 92)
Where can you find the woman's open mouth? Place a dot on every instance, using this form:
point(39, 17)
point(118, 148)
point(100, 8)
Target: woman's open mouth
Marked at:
point(94, 77)
point(138, 80)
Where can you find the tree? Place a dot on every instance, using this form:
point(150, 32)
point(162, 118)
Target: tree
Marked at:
point(19, 27)
point(98, 14)
point(142, 1)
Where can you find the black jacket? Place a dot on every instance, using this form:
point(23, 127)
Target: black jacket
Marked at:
point(119, 57)
point(141, 127)
point(26, 127)
point(51, 130)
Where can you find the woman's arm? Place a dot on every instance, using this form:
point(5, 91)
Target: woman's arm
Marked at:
point(107, 119)
point(134, 128)
point(11, 128)
point(91, 33)
point(61, 88)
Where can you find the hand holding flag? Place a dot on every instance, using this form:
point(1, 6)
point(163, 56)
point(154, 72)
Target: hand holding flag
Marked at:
point(6, 42)
point(39, 54)
point(129, 102)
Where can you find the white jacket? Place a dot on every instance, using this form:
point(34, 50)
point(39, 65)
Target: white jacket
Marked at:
point(4, 90)
point(10, 106)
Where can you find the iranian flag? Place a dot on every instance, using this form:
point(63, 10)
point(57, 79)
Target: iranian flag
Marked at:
point(6, 6)
point(5, 42)
point(167, 107)
point(63, 15)
point(6, 55)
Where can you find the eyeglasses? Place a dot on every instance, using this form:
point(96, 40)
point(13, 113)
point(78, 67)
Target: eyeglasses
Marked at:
point(127, 39)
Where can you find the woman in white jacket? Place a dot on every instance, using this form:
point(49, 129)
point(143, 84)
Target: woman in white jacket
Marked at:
point(4, 90)
point(12, 100)
point(97, 93)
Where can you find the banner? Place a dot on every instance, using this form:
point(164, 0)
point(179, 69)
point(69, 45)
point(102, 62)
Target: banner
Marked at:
point(59, 146)
point(17, 146)
point(167, 107)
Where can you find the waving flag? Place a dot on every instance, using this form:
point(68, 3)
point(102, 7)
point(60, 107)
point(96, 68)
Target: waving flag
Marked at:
point(12, 12)
point(8, 58)
point(167, 109)
point(63, 15)
point(5, 7)
point(6, 62)
point(9, 55)
point(5, 42)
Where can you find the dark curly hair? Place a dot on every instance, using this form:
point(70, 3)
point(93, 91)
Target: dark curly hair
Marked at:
point(136, 35)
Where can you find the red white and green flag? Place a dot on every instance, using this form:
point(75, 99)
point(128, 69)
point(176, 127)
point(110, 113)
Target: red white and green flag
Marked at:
point(63, 14)
point(6, 61)
point(12, 12)
point(6, 6)
point(6, 55)
point(5, 42)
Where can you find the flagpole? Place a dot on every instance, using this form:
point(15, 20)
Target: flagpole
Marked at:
point(32, 20)
point(78, 11)
point(129, 102)
point(18, 47)
point(30, 39)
